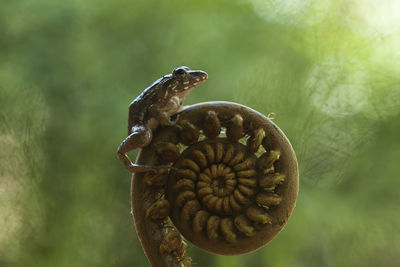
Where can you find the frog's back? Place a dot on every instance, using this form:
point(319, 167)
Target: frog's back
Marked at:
point(139, 106)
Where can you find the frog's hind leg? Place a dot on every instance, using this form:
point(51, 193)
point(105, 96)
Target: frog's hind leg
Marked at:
point(140, 137)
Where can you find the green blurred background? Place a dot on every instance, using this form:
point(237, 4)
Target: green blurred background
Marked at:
point(329, 70)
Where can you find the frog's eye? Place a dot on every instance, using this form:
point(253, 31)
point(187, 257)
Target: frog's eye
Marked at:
point(180, 72)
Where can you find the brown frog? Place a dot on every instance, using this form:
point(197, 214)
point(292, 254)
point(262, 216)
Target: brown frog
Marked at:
point(154, 107)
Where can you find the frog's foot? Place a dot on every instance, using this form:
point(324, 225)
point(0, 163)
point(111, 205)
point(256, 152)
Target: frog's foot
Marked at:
point(165, 167)
point(147, 168)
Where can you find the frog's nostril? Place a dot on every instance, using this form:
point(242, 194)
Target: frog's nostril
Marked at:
point(204, 76)
point(199, 76)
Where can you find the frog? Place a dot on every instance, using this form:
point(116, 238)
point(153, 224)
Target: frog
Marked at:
point(153, 108)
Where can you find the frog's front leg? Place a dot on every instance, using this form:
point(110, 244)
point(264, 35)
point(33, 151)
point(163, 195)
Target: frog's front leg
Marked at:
point(160, 116)
point(140, 137)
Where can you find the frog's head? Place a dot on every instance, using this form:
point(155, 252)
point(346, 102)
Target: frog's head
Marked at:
point(182, 79)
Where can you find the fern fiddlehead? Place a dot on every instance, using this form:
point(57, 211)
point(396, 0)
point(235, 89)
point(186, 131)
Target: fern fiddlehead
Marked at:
point(232, 185)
